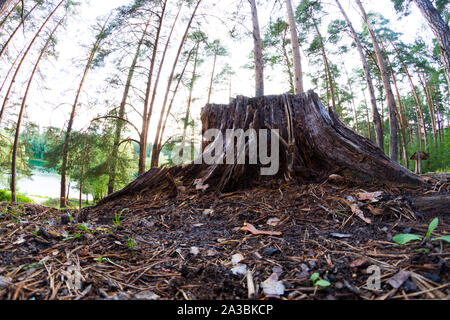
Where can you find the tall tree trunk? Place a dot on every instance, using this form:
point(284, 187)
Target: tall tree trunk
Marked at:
point(288, 63)
point(169, 108)
point(327, 67)
point(121, 114)
point(430, 105)
point(416, 96)
point(393, 125)
point(298, 73)
point(5, 46)
point(212, 78)
point(189, 102)
point(146, 115)
point(400, 118)
point(369, 129)
point(158, 137)
point(6, 99)
point(440, 29)
point(259, 63)
point(355, 117)
point(22, 109)
point(379, 138)
point(65, 151)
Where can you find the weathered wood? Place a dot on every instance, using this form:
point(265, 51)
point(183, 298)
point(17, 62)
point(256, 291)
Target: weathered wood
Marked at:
point(434, 204)
point(314, 144)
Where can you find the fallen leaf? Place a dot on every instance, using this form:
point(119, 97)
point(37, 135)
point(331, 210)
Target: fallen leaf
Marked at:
point(400, 278)
point(273, 288)
point(358, 263)
point(273, 222)
point(200, 186)
point(336, 178)
point(146, 295)
point(239, 269)
point(359, 213)
point(369, 196)
point(375, 211)
point(236, 258)
point(340, 235)
point(250, 228)
point(194, 250)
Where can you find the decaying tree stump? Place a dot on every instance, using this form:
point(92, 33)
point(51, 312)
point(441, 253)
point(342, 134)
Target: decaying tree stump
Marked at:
point(314, 143)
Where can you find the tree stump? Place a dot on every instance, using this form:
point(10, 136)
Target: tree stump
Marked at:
point(314, 143)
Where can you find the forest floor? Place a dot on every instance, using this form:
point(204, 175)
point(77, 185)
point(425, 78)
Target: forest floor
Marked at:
point(199, 245)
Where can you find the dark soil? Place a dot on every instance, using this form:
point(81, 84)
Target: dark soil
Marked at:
point(150, 254)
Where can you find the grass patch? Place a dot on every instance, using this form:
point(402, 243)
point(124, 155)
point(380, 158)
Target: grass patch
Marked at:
point(72, 203)
point(6, 196)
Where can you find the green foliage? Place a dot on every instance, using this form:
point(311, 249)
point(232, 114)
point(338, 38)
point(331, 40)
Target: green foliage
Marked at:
point(317, 282)
point(404, 238)
point(431, 227)
point(116, 219)
point(6, 196)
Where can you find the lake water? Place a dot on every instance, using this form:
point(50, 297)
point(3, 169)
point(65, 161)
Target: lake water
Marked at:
point(45, 184)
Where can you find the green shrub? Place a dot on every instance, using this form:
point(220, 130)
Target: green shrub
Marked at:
point(6, 196)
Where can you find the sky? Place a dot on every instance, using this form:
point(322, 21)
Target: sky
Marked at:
point(52, 96)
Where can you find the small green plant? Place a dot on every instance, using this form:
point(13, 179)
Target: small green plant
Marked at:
point(99, 259)
point(131, 243)
point(116, 220)
point(404, 238)
point(84, 228)
point(36, 231)
point(68, 237)
point(70, 217)
point(319, 282)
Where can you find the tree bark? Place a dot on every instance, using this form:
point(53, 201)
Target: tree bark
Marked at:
point(259, 63)
point(369, 129)
point(314, 143)
point(440, 29)
point(212, 78)
point(379, 138)
point(298, 73)
point(393, 125)
point(399, 112)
